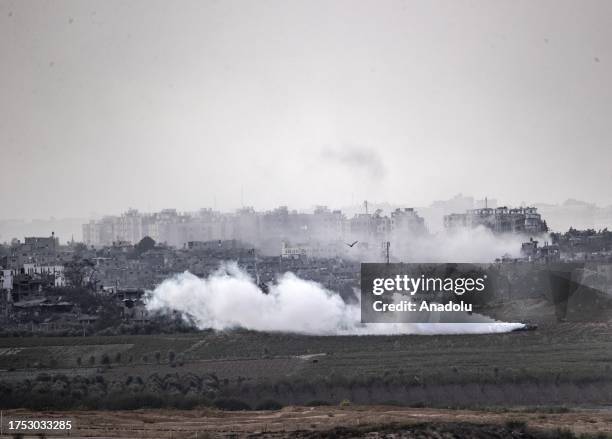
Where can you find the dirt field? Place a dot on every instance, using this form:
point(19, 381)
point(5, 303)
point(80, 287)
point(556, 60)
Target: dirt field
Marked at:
point(326, 422)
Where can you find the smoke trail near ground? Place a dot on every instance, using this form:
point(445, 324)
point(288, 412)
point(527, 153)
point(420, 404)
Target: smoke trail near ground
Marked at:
point(230, 299)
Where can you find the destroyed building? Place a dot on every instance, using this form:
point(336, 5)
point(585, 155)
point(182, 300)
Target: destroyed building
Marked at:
point(584, 244)
point(524, 220)
point(533, 252)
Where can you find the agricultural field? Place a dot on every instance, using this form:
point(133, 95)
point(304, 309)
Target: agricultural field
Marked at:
point(564, 364)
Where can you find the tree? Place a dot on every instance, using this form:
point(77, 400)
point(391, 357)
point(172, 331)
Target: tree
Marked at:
point(80, 248)
point(147, 243)
point(78, 270)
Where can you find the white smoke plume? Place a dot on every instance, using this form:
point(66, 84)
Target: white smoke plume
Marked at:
point(230, 299)
point(477, 245)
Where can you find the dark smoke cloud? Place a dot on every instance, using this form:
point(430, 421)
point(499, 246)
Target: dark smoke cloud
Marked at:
point(358, 159)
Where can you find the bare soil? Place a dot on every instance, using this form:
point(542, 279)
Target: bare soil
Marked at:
point(327, 421)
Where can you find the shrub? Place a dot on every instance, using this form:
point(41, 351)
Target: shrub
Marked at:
point(43, 377)
point(392, 402)
point(123, 401)
point(515, 424)
point(269, 404)
point(316, 403)
point(564, 433)
point(231, 404)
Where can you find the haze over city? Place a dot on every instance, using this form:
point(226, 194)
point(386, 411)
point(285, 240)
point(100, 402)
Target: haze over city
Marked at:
point(109, 105)
point(306, 218)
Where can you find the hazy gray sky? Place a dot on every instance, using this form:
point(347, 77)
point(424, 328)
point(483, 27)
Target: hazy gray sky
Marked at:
point(110, 104)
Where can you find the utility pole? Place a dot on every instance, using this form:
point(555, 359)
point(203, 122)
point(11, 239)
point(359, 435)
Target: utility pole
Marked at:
point(256, 270)
point(387, 245)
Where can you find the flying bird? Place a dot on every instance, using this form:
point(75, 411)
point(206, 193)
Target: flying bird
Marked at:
point(352, 244)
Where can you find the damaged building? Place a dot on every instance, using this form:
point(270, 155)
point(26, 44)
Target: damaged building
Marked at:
point(523, 220)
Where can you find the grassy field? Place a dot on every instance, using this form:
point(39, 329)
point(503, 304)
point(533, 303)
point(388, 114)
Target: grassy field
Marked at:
point(560, 364)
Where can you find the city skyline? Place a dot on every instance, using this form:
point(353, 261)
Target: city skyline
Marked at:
point(571, 213)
